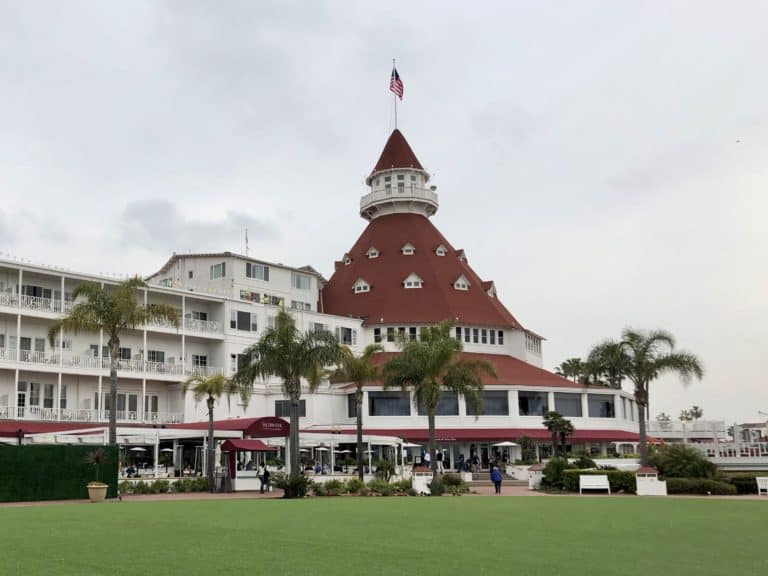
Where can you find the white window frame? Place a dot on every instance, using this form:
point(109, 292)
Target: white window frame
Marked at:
point(440, 250)
point(461, 283)
point(360, 286)
point(218, 270)
point(298, 279)
point(257, 271)
point(372, 253)
point(408, 249)
point(413, 281)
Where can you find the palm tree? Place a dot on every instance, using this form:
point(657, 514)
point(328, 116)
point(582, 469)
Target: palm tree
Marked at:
point(358, 370)
point(112, 309)
point(650, 355)
point(212, 388)
point(285, 352)
point(571, 369)
point(560, 428)
point(431, 365)
point(611, 361)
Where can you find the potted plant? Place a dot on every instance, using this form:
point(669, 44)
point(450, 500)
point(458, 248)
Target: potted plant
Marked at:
point(97, 491)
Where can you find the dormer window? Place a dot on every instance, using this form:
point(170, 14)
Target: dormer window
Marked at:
point(361, 286)
point(372, 253)
point(440, 250)
point(462, 256)
point(408, 250)
point(347, 260)
point(461, 283)
point(413, 281)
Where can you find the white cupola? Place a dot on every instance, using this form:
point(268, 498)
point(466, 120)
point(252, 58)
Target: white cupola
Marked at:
point(398, 183)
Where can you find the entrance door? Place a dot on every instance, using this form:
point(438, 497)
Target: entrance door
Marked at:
point(25, 348)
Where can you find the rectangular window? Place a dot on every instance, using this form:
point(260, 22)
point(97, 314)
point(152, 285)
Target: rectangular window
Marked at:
point(198, 316)
point(390, 334)
point(601, 406)
point(412, 333)
point(249, 296)
point(448, 405)
point(475, 334)
point(389, 404)
point(318, 327)
point(351, 406)
point(190, 274)
point(218, 270)
point(401, 333)
point(495, 403)
point(296, 305)
point(532, 403)
point(466, 335)
point(301, 281)
point(492, 334)
point(243, 321)
point(283, 408)
point(501, 337)
point(156, 356)
point(624, 408)
point(48, 396)
point(568, 405)
point(458, 333)
point(257, 271)
point(377, 335)
point(34, 394)
point(2, 340)
point(346, 336)
point(484, 336)
point(632, 410)
point(238, 361)
point(63, 397)
point(94, 349)
point(199, 360)
point(125, 354)
point(151, 404)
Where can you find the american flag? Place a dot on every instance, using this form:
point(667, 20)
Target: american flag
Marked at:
point(395, 84)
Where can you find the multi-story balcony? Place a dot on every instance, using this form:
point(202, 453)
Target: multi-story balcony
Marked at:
point(85, 362)
point(86, 415)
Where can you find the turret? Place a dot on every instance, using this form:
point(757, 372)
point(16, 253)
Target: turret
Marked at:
point(398, 183)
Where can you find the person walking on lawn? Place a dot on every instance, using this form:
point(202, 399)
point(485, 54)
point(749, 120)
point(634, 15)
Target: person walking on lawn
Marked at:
point(496, 479)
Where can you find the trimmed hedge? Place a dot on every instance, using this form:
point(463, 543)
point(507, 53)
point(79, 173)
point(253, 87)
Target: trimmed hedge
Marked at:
point(51, 472)
point(619, 480)
point(745, 483)
point(699, 486)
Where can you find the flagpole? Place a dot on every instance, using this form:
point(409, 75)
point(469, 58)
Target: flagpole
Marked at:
point(394, 96)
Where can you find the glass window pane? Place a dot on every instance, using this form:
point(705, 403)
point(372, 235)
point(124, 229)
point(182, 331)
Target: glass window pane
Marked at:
point(389, 404)
point(568, 405)
point(601, 406)
point(532, 403)
point(495, 403)
point(448, 405)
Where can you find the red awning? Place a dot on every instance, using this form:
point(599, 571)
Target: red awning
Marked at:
point(238, 445)
point(264, 427)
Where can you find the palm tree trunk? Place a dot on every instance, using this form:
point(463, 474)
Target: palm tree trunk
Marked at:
point(211, 447)
point(555, 451)
point(643, 436)
point(294, 435)
point(359, 402)
point(432, 446)
point(114, 351)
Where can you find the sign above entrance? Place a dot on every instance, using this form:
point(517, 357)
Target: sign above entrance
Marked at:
point(268, 427)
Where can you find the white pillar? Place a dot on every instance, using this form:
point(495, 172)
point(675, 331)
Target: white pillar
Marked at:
point(551, 401)
point(370, 466)
point(15, 400)
point(101, 401)
point(333, 459)
point(157, 452)
point(584, 405)
point(183, 336)
point(58, 399)
point(143, 398)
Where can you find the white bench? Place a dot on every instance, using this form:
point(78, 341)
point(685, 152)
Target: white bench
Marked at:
point(762, 485)
point(594, 482)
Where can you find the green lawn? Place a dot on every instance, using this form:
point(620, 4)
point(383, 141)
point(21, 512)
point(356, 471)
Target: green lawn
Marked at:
point(365, 536)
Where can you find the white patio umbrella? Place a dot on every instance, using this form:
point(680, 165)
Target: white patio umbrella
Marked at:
point(167, 450)
point(505, 444)
point(411, 445)
point(138, 449)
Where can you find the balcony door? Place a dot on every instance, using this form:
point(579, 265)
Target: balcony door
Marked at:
point(21, 399)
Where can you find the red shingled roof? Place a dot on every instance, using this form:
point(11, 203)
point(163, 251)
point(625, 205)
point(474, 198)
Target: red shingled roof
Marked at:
point(509, 370)
point(397, 153)
point(389, 301)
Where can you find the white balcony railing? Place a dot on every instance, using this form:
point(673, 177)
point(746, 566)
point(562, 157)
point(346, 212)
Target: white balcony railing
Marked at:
point(405, 193)
point(204, 326)
point(87, 362)
point(678, 428)
point(85, 415)
point(8, 299)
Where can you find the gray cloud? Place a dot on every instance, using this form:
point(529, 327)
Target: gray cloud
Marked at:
point(159, 225)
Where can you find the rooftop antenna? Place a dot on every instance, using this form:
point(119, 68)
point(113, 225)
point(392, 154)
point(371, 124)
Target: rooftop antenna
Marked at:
point(246, 242)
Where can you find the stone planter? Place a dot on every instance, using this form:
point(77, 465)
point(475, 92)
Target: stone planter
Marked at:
point(97, 491)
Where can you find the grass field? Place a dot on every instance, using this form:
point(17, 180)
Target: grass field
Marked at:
point(362, 536)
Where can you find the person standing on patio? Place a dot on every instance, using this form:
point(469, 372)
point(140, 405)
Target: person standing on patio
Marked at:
point(440, 469)
point(262, 471)
point(427, 459)
point(496, 479)
point(265, 480)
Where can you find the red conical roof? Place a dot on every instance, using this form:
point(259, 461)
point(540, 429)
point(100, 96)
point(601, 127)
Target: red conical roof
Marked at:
point(397, 153)
point(435, 301)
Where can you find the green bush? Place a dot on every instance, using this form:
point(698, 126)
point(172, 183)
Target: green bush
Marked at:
point(125, 487)
point(584, 463)
point(353, 486)
point(141, 487)
point(293, 486)
point(182, 485)
point(160, 486)
point(454, 484)
point(699, 486)
point(318, 489)
point(384, 469)
point(199, 484)
point(553, 472)
point(381, 487)
point(527, 450)
point(682, 461)
point(745, 483)
point(402, 486)
point(437, 486)
point(619, 480)
point(334, 487)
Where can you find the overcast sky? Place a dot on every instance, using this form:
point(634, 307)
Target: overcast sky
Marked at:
point(603, 162)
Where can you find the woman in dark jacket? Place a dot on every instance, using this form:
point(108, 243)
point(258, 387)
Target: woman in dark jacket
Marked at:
point(496, 478)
